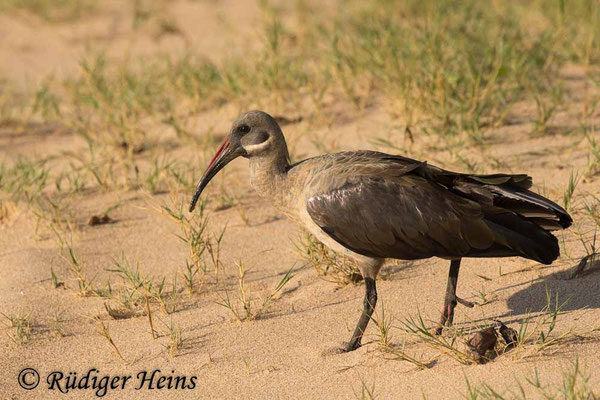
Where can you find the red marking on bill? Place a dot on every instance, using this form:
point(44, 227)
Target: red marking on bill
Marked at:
point(218, 153)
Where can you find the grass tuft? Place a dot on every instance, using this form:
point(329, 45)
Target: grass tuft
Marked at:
point(21, 322)
point(105, 332)
point(251, 308)
point(575, 385)
point(417, 328)
point(330, 266)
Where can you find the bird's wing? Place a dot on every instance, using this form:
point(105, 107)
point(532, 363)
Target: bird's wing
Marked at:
point(399, 216)
point(501, 193)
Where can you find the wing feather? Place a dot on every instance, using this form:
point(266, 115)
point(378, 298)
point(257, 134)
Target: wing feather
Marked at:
point(388, 206)
point(405, 217)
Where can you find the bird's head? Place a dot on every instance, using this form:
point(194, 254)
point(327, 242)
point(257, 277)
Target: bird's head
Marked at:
point(253, 134)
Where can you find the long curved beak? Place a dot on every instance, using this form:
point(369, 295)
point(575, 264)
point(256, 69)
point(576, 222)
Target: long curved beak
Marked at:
point(224, 155)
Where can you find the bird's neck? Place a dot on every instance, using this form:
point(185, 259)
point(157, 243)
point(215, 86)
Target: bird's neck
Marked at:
point(268, 175)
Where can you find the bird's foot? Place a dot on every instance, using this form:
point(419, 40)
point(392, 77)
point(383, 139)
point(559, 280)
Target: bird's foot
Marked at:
point(448, 313)
point(352, 345)
point(444, 321)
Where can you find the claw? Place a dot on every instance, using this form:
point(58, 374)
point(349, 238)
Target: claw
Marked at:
point(465, 302)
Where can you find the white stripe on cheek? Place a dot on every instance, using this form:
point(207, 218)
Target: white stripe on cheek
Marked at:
point(257, 147)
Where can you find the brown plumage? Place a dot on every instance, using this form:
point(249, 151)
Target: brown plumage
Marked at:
point(372, 206)
point(393, 207)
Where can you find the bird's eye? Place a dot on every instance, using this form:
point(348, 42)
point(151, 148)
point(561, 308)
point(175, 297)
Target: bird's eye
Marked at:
point(244, 129)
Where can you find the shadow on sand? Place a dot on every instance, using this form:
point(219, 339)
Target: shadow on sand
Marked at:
point(579, 287)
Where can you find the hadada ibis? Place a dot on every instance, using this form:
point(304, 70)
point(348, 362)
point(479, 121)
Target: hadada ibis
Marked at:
point(372, 206)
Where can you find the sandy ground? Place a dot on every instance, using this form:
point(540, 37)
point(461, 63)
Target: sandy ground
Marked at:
point(287, 353)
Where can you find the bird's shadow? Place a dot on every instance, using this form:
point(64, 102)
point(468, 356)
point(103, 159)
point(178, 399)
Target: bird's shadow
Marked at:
point(578, 288)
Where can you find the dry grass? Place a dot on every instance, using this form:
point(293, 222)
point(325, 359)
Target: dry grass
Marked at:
point(593, 167)
point(137, 290)
point(384, 325)
point(448, 346)
point(204, 246)
point(22, 326)
point(575, 385)
point(537, 334)
point(175, 340)
point(75, 265)
point(251, 307)
point(104, 331)
point(367, 392)
point(25, 180)
point(330, 265)
point(366, 53)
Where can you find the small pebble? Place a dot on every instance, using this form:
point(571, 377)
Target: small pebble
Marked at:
point(96, 220)
point(509, 335)
point(481, 342)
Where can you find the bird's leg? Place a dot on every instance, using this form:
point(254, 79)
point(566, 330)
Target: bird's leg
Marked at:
point(450, 300)
point(368, 306)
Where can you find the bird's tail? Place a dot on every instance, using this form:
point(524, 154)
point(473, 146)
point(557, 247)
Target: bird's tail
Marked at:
point(535, 208)
point(523, 237)
point(522, 221)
